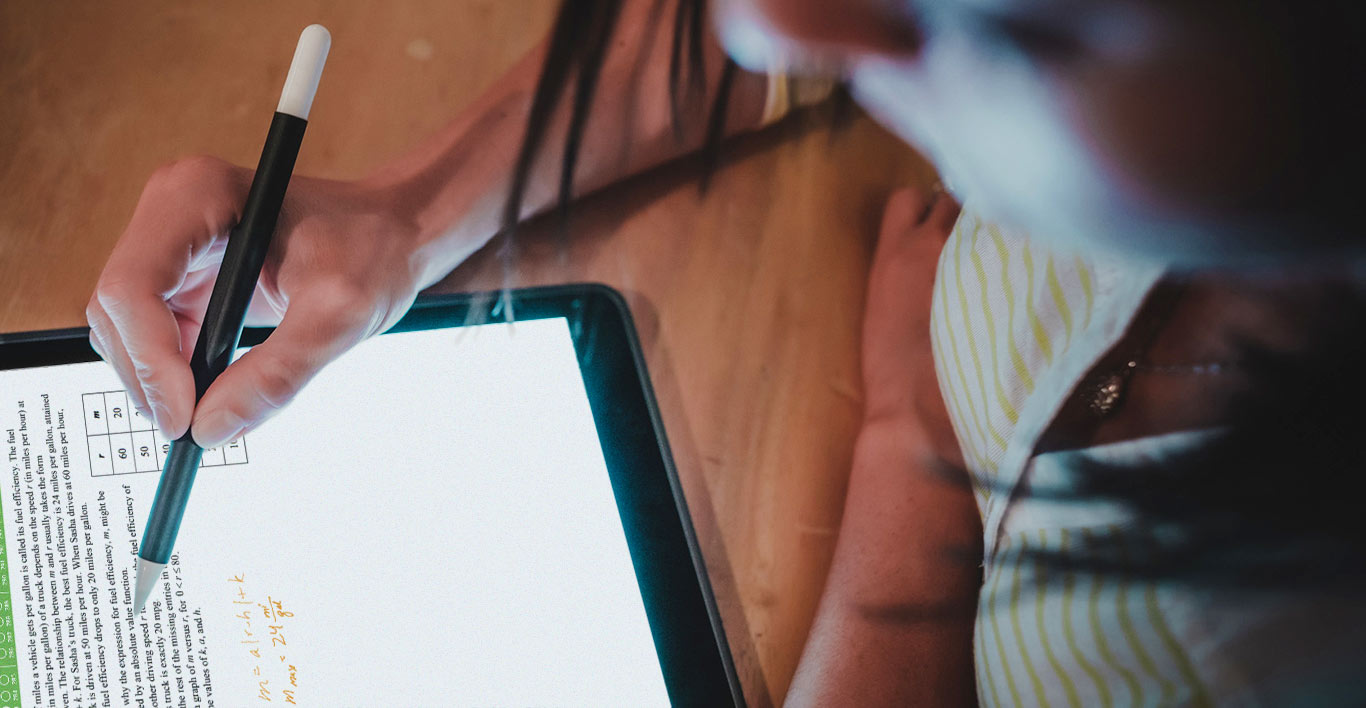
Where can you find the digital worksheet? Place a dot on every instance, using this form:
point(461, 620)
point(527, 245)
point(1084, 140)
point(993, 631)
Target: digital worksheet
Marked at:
point(430, 522)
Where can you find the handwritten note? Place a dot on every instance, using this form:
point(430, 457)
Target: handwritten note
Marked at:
point(264, 627)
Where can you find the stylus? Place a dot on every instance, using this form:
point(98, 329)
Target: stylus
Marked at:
point(222, 325)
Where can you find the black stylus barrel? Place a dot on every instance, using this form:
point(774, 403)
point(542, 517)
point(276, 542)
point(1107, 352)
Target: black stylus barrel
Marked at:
point(246, 253)
point(168, 507)
point(248, 244)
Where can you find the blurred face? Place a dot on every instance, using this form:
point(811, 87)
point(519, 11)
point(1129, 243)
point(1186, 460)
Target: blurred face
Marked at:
point(1165, 129)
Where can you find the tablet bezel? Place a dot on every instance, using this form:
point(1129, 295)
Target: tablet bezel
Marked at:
point(689, 640)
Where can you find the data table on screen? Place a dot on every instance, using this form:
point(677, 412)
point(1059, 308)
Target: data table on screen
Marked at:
point(124, 441)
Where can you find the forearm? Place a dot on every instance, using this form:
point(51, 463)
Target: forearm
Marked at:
point(894, 625)
point(455, 184)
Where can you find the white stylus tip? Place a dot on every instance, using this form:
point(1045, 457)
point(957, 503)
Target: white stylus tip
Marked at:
point(147, 577)
point(302, 81)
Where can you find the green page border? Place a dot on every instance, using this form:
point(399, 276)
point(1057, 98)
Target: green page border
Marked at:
point(9, 655)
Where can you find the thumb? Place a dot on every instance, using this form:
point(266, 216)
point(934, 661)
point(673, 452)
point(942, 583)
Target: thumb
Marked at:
point(265, 379)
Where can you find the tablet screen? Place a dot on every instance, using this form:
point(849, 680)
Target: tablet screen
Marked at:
point(430, 522)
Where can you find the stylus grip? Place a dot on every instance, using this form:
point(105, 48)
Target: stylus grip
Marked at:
point(245, 254)
point(168, 507)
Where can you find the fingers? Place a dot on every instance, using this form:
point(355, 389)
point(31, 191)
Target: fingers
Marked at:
point(146, 342)
point(319, 326)
point(104, 340)
point(909, 207)
point(896, 351)
point(905, 208)
point(182, 210)
point(895, 273)
point(943, 214)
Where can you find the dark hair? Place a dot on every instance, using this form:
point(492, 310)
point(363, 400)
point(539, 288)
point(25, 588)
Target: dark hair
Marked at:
point(578, 45)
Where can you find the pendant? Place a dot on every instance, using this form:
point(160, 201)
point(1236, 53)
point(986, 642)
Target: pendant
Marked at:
point(1107, 395)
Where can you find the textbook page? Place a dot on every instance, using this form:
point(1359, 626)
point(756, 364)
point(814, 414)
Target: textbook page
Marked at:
point(430, 522)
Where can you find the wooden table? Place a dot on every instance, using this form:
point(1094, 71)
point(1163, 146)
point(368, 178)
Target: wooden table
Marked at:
point(748, 299)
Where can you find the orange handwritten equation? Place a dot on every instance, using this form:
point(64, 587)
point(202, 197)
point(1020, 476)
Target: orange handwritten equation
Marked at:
point(264, 625)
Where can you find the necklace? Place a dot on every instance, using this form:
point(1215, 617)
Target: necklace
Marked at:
point(1105, 391)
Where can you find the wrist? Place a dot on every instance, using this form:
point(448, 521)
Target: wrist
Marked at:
point(446, 222)
point(452, 187)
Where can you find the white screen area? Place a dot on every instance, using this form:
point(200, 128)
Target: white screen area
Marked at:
point(430, 522)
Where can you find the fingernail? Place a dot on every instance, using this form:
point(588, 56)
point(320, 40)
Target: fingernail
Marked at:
point(216, 428)
point(161, 416)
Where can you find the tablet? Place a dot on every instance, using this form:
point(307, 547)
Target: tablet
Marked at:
point(449, 514)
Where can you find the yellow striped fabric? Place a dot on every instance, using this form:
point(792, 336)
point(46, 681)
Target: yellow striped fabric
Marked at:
point(1002, 314)
point(1072, 638)
point(1005, 312)
point(1014, 328)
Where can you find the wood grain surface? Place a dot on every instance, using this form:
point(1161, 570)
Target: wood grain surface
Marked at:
point(748, 298)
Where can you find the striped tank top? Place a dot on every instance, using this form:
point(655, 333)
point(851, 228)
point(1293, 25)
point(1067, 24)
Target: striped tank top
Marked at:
point(1014, 329)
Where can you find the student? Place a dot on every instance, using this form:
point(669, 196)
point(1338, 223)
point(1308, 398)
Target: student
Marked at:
point(1131, 478)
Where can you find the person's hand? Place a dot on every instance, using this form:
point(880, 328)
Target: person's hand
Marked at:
point(894, 626)
point(344, 265)
point(899, 380)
